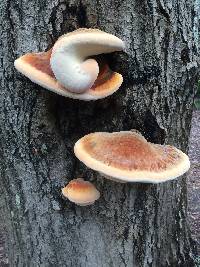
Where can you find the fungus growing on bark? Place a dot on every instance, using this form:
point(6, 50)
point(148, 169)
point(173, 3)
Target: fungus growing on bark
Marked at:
point(68, 69)
point(127, 156)
point(81, 192)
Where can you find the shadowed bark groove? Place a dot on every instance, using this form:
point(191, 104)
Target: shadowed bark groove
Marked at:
point(132, 224)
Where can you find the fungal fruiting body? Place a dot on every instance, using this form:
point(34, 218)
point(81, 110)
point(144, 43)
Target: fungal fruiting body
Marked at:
point(69, 68)
point(127, 156)
point(81, 192)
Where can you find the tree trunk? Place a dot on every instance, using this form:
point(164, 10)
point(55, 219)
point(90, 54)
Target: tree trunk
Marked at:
point(132, 224)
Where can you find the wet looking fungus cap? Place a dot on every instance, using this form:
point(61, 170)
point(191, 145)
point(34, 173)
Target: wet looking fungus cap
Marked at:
point(127, 156)
point(69, 68)
point(81, 192)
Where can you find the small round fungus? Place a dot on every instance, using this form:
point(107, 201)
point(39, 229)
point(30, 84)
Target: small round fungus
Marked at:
point(127, 156)
point(81, 192)
point(69, 68)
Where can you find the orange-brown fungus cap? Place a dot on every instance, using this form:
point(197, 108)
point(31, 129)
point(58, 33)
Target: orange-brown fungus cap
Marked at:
point(127, 156)
point(107, 81)
point(37, 67)
point(81, 192)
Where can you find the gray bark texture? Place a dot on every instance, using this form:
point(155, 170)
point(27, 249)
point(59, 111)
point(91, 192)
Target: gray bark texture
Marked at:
point(132, 224)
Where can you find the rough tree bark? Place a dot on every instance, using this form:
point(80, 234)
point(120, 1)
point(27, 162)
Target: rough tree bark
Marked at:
point(132, 224)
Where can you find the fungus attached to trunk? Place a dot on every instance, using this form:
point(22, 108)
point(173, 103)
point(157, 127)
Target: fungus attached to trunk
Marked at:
point(81, 192)
point(70, 69)
point(127, 156)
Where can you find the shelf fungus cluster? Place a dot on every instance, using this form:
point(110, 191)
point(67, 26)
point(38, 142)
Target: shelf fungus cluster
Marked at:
point(70, 68)
point(124, 157)
point(81, 192)
point(74, 68)
point(128, 157)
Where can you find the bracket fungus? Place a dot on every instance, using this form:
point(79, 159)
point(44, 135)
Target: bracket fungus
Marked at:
point(127, 157)
point(69, 68)
point(81, 192)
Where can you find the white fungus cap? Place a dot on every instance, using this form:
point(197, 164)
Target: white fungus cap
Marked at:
point(70, 60)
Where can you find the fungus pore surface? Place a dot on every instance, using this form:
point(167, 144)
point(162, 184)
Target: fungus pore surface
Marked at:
point(129, 157)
